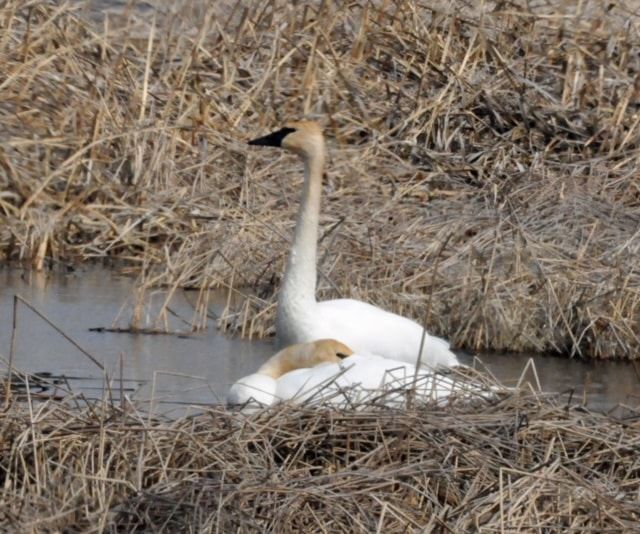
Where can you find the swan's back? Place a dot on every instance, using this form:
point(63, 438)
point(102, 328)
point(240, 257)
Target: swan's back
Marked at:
point(368, 329)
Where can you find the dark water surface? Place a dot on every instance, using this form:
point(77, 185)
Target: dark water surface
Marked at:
point(176, 371)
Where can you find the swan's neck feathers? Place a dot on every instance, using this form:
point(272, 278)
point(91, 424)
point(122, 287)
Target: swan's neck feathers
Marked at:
point(289, 359)
point(298, 293)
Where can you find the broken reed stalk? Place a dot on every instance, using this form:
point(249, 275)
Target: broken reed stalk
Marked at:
point(518, 463)
point(18, 298)
point(12, 348)
point(517, 127)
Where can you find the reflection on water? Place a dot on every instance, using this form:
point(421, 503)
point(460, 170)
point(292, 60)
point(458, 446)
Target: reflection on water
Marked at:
point(200, 368)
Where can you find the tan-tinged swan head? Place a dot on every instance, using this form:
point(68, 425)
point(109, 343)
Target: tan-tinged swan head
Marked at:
point(329, 350)
point(262, 385)
point(303, 355)
point(300, 137)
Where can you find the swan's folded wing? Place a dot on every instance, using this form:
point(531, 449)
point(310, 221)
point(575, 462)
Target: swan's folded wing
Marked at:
point(368, 329)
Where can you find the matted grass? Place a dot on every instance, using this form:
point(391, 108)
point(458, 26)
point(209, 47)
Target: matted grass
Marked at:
point(483, 168)
point(523, 463)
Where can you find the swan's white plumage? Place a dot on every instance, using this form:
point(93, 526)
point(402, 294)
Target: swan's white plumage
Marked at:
point(402, 341)
point(365, 328)
point(363, 376)
point(257, 386)
point(332, 379)
point(261, 386)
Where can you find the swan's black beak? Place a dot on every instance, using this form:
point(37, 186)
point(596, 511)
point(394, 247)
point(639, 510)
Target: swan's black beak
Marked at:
point(273, 139)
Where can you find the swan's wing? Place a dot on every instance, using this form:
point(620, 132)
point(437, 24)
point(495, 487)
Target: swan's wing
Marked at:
point(392, 378)
point(357, 371)
point(368, 329)
point(302, 384)
point(368, 376)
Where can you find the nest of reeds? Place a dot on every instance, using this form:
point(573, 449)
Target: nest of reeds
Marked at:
point(482, 172)
point(519, 462)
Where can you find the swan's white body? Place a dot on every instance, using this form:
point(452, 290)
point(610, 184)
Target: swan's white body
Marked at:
point(370, 329)
point(262, 385)
point(343, 381)
point(256, 387)
point(367, 376)
point(300, 318)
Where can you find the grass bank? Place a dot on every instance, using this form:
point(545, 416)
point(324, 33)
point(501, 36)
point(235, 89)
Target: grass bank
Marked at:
point(483, 162)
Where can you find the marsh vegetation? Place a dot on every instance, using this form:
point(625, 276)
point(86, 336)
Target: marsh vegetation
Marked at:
point(482, 178)
point(521, 463)
point(482, 172)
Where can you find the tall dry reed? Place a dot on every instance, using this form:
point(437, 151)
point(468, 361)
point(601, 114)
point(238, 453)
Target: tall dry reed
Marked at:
point(483, 160)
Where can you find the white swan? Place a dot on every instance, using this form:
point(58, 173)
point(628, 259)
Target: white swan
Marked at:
point(328, 371)
point(262, 385)
point(300, 318)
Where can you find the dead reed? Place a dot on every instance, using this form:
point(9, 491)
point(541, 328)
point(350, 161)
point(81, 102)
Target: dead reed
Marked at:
point(524, 463)
point(508, 132)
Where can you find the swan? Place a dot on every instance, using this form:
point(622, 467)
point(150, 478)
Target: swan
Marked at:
point(329, 371)
point(300, 317)
point(261, 386)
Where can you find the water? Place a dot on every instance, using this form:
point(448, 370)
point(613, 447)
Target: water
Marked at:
point(196, 369)
point(176, 371)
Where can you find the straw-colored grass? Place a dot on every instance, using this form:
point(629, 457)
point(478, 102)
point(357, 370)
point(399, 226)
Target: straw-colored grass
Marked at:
point(523, 463)
point(482, 172)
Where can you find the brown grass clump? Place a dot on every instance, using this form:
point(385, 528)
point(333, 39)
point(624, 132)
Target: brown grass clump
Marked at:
point(483, 161)
point(520, 464)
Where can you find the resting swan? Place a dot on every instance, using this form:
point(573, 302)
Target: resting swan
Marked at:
point(300, 318)
point(327, 370)
point(262, 386)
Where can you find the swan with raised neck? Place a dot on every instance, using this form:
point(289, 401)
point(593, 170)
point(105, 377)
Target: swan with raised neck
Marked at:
point(300, 318)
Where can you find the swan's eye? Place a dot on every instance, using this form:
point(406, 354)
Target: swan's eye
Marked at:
point(342, 355)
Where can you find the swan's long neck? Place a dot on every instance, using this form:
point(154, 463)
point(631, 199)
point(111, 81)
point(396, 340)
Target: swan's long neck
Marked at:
point(298, 293)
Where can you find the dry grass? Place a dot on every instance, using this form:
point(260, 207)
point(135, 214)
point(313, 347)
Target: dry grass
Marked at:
point(520, 464)
point(503, 139)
